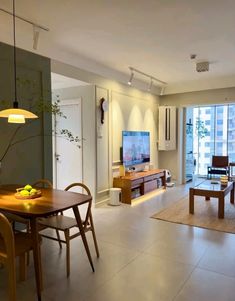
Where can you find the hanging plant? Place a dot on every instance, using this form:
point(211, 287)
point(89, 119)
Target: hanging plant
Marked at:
point(40, 107)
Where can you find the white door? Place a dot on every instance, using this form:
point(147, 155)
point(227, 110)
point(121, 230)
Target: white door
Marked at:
point(68, 155)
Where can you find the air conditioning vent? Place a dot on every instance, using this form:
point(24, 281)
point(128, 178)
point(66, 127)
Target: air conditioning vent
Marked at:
point(167, 128)
point(202, 66)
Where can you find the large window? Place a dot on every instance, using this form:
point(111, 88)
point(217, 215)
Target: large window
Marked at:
point(214, 130)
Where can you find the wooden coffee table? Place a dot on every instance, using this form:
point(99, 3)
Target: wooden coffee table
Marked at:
point(210, 190)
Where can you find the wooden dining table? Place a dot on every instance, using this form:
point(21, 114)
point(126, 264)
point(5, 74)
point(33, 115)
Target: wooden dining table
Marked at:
point(50, 202)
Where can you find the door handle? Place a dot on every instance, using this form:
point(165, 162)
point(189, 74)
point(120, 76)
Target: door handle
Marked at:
point(57, 157)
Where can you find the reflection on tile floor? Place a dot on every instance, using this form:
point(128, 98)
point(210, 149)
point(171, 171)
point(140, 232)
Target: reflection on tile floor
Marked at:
point(142, 259)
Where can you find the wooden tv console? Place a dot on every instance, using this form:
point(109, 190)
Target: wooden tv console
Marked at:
point(145, 181)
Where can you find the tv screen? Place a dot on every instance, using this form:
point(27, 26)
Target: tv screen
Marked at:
point(135, 147)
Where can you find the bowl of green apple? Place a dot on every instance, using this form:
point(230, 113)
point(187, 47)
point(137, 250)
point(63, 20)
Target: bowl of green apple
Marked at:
point(27, 192)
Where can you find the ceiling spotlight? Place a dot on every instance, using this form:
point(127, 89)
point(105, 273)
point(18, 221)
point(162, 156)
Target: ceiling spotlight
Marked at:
point(153, 80)
point(36, 32)
point(150, 84)
point(162, 91)
point(131, 78)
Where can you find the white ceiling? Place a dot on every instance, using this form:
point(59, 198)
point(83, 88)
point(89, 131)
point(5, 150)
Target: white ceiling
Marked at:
point(155, 36)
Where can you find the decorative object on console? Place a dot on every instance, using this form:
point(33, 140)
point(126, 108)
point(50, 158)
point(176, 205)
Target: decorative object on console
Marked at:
point(146, 168)
point(122, 171)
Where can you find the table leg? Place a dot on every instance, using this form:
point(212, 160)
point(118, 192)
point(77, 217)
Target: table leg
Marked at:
point(232, 195)
point(36, 256)
point(191, 201)
point(82, 232)
point(221, 207)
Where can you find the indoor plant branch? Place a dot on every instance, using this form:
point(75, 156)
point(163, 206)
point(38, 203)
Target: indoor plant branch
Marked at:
point(51, 108)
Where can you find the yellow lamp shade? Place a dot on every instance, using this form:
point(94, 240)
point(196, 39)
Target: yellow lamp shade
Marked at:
point(17, 115)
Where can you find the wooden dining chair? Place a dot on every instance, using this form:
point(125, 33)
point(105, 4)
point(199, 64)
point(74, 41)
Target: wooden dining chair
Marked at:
point(18, 219)
point(65, 223)
point(43, 183)
point(11, 246)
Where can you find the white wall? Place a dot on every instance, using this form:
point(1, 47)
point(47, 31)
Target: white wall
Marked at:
point(138, 109)
point(103, 157)
point(133, 114)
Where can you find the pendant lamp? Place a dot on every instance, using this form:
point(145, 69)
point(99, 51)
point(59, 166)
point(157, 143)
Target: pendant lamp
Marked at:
point(16, 115)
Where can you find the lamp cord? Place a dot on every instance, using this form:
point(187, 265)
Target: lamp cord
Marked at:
point(15, 103)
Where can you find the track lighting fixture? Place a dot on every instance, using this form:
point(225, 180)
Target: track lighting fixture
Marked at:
point(152, 79)
point(150, 84)
point(131, 78)
point(36, 32)
point(36, 27)
point(16, 115)
point(162, 91)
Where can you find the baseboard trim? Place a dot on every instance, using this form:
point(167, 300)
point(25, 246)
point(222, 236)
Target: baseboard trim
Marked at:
point(101, 202)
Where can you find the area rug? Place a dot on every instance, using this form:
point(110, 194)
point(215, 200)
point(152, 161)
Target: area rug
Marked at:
point(205, 214)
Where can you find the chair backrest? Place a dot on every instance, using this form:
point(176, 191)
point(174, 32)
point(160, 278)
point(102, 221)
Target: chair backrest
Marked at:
point(220, 161)
point(7, 254)
point(43, 183)
point(7, 235)
point(88, 212)
point(78, 185)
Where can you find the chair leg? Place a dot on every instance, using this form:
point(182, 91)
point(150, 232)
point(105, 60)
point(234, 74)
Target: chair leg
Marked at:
point(94, 236)
point(11, 279)
point(58, 237)
point(83, 236)
point(67, 239)
point(22, 267)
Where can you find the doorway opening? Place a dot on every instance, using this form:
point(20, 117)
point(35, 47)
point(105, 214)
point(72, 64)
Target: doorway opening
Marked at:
point(67, 153)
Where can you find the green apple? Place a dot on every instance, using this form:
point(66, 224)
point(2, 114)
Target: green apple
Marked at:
point(24, 192)
point(28, 187)
point(33, 191)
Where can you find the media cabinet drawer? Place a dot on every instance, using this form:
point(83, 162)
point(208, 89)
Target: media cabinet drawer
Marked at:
point(150, 185)
point(137, 182)
point(150, 178)
point(162, 174)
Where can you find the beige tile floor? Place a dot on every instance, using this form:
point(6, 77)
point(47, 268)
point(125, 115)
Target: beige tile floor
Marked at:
point(142, 259)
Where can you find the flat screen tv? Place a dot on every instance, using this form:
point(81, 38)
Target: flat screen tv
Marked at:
point(135, 147)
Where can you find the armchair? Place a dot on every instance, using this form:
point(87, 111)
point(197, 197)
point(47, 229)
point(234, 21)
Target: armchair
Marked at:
point(219, 166)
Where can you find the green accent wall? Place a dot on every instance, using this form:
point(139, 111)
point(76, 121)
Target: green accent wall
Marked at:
point(30, 159)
